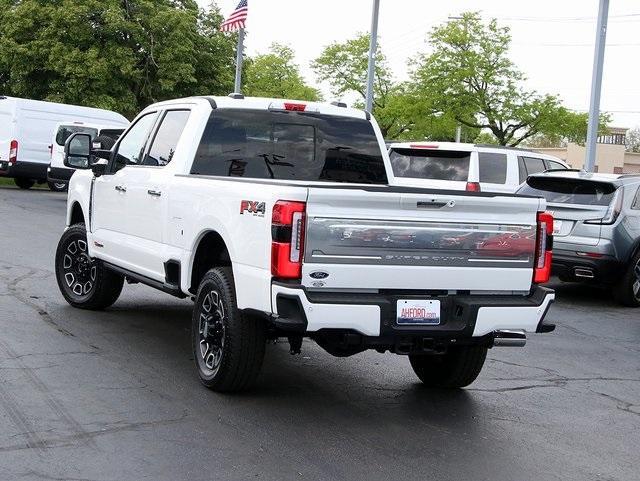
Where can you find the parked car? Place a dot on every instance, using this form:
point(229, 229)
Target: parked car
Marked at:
point(596, 228)
point(471, 167)
point(249, 207)
point(25, 135)
point(58, 174)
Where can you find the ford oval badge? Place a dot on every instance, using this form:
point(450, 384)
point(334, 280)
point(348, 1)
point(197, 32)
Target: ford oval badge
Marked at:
point(319, 275)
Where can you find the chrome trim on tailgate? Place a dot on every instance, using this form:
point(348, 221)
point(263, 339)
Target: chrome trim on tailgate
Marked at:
point(362, 241)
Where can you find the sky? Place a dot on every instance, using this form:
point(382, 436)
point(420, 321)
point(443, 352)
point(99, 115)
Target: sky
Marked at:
point(552, 40)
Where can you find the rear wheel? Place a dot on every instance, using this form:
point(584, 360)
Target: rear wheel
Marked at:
point(458, 367)
point(24, 183)
point(83, 281)
point(228, 345)
point(57, 186)
point(627, 292)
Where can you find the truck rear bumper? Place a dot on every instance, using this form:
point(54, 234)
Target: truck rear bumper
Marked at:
point(569, 266)
point(29, 170)
point(59, 174)
point(462, 316)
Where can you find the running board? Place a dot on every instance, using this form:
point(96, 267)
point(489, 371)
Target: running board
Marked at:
point(161, 286)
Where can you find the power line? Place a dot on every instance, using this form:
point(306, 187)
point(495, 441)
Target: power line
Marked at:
point(574, 44)
point(563, 19)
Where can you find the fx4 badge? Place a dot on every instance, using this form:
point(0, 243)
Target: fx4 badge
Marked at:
point(252, 207)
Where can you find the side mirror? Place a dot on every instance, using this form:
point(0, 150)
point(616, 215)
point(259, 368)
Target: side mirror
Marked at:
point(99, 167)
point(77, 151)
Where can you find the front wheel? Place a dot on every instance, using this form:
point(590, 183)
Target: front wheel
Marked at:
point(228, 344)
point(83, 281)
point(458, 367)
point(627, 292)
point(57, 186)
point(24, 183)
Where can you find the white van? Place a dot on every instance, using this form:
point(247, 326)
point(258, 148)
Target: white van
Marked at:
point(58, 174)
point(25, 134)
point(471, 167)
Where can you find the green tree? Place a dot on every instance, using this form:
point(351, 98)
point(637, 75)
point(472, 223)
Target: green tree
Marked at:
point(399, 110)
point(115, 54)
point(469, 75)
point(633, 140)
point(275, 74)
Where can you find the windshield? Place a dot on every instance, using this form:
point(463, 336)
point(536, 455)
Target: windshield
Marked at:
point(431, 164)
point(65, 131)
point(569, 191)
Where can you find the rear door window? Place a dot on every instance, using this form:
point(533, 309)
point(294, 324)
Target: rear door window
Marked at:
point(289, 146)
point(569, 191)
point(493, 167)
point(166, 138)
point(431, 164)
point(554, 165)
point(534, 165)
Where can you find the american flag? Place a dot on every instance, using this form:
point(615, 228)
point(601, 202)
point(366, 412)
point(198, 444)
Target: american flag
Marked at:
point(236, 20)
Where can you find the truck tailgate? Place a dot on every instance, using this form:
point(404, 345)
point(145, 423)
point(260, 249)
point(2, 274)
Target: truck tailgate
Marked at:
point(389, 238)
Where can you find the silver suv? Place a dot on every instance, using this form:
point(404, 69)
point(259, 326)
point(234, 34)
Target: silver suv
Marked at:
point(596, 228)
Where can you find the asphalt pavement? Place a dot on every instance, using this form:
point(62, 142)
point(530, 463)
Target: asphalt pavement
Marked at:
point(114, 395)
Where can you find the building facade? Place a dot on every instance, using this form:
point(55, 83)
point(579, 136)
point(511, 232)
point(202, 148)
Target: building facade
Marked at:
point(611, 154)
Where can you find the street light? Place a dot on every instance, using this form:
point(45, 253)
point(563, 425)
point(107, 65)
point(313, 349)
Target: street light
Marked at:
point(596, 86)
point(373, 46)
point(459, 127)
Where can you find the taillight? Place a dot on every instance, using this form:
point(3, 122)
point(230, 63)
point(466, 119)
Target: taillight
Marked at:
point(13, 152)
point(473, 187)
point(287, 234)
point(613, 211)
point(544, 248)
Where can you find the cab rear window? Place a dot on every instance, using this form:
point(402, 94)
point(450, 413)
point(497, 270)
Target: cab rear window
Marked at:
point(569, 191)
point(289, 146)
point(431, 164)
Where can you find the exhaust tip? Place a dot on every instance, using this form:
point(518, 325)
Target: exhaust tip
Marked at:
point(583, 273)
point(509, 339)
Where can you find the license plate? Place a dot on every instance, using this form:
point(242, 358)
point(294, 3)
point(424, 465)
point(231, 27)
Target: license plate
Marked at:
point(557, 227)
point(418, 312)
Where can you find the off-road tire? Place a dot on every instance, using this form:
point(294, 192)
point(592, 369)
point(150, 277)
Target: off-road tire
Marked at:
point(58, 186)
point(106, 285)
point(627, 291)
point(24, 183)
point(228, 344)
point(459, 367)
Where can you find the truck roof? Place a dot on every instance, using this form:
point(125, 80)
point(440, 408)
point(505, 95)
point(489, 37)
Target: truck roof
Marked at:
point(465, 147)
point(234, 101)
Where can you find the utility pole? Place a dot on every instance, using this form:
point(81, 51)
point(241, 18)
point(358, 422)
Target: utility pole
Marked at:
point(596, 86)
point(373, 46)
point(239, 57)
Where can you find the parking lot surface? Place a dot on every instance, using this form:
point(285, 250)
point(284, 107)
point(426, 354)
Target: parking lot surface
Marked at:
point(114, 395)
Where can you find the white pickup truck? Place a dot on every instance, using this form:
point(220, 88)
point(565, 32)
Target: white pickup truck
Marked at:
point(275, 217)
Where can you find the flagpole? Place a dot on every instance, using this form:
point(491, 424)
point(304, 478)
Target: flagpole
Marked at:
point(239, 58)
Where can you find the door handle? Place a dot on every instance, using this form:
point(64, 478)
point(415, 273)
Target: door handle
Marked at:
point(120, 188)
point(154, 193)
